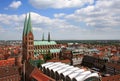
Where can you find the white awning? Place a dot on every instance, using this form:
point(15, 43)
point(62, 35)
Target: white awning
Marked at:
point(92, 75)
point(82, 75)
point(59, 68)
point(48, 63)
point(75, 73)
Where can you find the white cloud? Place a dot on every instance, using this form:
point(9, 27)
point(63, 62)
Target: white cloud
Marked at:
point(37, 29)
point(50, 24)
point(15, 4)
point(59, 3)
point(39, 24)
point(105, 13)
point(99, 21)
point(1, 29)
point(11, 20)
point(59, 15)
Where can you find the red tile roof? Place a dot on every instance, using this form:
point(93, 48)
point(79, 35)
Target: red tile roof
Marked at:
point(10, 61)
point(39, 76)
point(111, 78)
point(115, 58)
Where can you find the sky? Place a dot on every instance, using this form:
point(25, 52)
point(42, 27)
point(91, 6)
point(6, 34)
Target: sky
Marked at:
point(64, 19)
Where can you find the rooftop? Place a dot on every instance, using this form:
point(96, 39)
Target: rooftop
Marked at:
point(45, 43)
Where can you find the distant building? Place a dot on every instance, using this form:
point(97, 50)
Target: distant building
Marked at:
point(74, 55)
point(93, 62)
point(112, 68)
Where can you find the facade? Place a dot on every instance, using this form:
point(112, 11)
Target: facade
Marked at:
point(112, 68)
point(93, 62)
point(46, 47)
point(9, 73)
point(28, 38)
point(74, 55)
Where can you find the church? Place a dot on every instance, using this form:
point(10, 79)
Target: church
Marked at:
point(36, 50)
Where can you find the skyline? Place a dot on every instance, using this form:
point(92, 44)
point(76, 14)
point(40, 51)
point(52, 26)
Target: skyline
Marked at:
point(64, 19)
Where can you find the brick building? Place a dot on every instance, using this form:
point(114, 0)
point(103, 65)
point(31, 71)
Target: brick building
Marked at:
point(32, 49)
point(112, 68)
point(74, 55)
point(93, 62)
point(9, 73)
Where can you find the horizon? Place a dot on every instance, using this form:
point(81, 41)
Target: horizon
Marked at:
point(64, 19)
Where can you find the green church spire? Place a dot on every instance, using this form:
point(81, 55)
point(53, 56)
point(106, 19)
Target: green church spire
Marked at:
point(43, 37)
point(25, 26)
point(29, 26)
point(49, 37)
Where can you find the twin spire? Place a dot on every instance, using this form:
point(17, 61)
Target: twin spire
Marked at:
point(48, 37)
point(28, 28)
point(27, 25)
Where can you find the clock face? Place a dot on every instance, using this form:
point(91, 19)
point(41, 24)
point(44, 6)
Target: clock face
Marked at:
point(92, 79)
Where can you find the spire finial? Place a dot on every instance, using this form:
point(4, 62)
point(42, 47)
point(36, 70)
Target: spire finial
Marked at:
point(25, 26)
point(48, 36)
point(43, 37)
point(29, 26)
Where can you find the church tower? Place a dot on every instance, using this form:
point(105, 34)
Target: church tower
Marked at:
point(49, 37)
point(43, 37)
point(27, 40)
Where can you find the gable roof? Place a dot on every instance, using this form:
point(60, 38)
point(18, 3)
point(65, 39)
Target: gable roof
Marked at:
point(39, 76)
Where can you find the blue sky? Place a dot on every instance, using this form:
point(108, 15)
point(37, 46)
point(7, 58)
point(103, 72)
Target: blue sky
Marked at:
point(65, 19)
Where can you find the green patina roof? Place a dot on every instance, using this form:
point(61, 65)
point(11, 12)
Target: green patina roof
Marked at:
point(25, 26)
point(29, 26)
point(44, 43)
point(54, 50)
point(45, 50)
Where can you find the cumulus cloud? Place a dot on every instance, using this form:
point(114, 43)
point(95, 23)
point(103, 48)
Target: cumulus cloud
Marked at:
point(104, 14)
point(39, 23)
point(59, 3)
point(1, 29)
point(15, 4)
point(37, 29)
point(59, 15)
point(50, 24)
